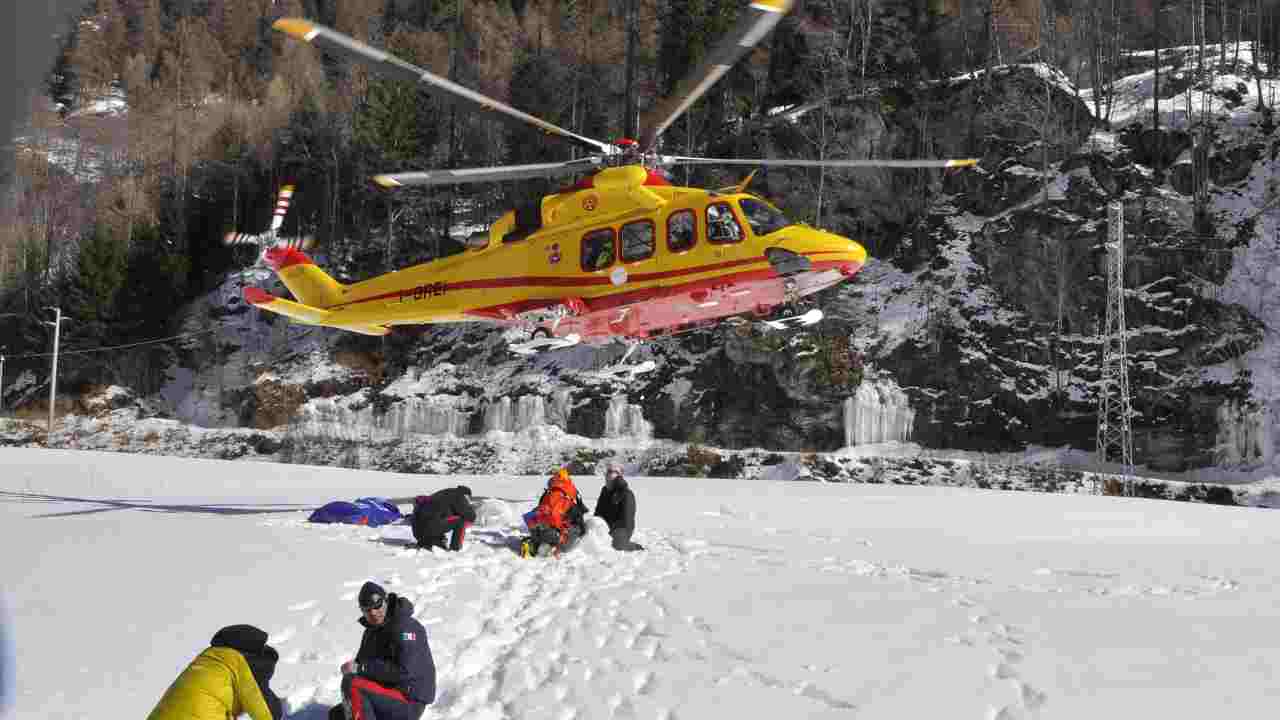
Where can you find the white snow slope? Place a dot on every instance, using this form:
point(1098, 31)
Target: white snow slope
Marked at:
point(754, 599)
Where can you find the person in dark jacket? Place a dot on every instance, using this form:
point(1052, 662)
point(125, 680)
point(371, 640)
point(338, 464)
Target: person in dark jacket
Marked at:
point(446, 511)
point(617, 507)
point(232, 676)
point(393, 676)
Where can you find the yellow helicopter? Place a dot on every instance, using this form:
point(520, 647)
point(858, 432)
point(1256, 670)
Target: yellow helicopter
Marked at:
point(622, 254)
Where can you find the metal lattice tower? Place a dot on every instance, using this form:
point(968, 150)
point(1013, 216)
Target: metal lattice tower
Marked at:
point(1115, 436)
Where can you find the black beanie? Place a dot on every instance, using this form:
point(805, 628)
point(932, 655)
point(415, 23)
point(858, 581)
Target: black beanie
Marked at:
point(371, 593)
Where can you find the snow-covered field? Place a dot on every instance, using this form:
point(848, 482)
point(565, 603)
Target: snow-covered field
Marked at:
point(754, 599)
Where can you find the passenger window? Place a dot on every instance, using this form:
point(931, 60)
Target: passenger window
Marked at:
point(637, 241)
point(722, 226)
point(597, 249)
point(682, 230)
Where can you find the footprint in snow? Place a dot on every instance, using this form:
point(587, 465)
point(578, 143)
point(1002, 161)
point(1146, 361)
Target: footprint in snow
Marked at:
point(1011, 656)
point(1032, 698)
point(644, 682)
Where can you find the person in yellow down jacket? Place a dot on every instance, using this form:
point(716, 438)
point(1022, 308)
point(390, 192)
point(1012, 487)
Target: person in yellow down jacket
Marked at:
point(230, 678)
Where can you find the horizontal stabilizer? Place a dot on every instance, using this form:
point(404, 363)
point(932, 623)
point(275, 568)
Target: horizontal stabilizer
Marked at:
point(306, 314)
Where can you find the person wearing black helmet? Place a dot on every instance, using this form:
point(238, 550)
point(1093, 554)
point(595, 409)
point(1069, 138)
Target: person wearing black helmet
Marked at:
point(445, 511)
point(393, 676)
point(617, 507)
point(231, 677)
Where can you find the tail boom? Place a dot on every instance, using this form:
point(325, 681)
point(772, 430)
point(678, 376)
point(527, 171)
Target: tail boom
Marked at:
point(305, 314)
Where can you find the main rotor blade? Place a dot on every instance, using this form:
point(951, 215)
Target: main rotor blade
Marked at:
point(393, 67)
point(462, 176)
point(759, 19)
point(681, 160)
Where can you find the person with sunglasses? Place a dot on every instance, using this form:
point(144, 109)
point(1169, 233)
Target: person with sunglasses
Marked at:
point(617, 507)
point(393, 676)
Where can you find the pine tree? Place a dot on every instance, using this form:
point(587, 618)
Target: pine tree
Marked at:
point(100, 273)
point(398, 119)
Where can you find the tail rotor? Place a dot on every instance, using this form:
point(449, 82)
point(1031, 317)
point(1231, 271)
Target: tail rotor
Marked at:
point(271, 236)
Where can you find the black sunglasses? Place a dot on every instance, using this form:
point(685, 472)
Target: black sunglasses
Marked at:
point(375, 605)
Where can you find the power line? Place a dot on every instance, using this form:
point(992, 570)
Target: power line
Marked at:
point(114, 347)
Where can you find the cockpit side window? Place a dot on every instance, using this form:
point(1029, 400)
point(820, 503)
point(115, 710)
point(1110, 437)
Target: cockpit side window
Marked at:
point(763, 218)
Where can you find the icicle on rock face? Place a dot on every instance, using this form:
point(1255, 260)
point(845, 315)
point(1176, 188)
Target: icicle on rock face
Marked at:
point(426, 416)
point(530, 411)
point(878, 412)
point(1242, 435)
point(325, 411)
point(497, 415)
point(561, 406)
point(623, 419)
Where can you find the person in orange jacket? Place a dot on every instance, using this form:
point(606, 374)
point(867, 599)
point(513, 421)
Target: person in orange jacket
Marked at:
point(231, 677)
point(558, 520)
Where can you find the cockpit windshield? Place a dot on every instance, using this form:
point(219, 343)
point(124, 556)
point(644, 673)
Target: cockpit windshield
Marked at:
point(763, 217)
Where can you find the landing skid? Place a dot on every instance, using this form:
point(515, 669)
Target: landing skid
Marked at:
point(543, 343)
point(812, 317)
point(621, 370)
point(628, 371)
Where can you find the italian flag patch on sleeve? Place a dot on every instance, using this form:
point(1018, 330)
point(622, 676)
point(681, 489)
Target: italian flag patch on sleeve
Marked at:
point(409, 636)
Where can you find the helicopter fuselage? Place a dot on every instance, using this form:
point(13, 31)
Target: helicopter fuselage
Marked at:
point(622, 255)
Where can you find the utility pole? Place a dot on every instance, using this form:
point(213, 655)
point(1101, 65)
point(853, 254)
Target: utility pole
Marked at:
point(1, 382)
point(53, 374)
point(1115, 436)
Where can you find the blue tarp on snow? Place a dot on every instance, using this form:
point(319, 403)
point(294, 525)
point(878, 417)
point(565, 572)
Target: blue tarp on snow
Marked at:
point(369, 511)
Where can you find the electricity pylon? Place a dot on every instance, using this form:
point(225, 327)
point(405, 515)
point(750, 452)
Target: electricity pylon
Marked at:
point(1115, 435)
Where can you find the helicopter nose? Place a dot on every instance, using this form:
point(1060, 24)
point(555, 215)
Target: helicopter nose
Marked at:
point(852, 256)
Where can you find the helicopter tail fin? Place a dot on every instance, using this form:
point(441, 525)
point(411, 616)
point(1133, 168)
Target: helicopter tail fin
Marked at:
point(308, 283)
point(305, 314)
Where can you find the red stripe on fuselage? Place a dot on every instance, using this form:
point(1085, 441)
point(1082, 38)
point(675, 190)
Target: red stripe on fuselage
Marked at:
point(558, 281)
point(584, 282)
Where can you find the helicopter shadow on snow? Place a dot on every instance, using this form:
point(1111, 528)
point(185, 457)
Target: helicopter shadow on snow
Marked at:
point(111, 505)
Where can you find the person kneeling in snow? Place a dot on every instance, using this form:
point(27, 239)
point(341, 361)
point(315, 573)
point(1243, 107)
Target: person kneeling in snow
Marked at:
point(559, 519)
point(393, 676)
point(617, 507)
point(229, 678)
point(447, 510)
